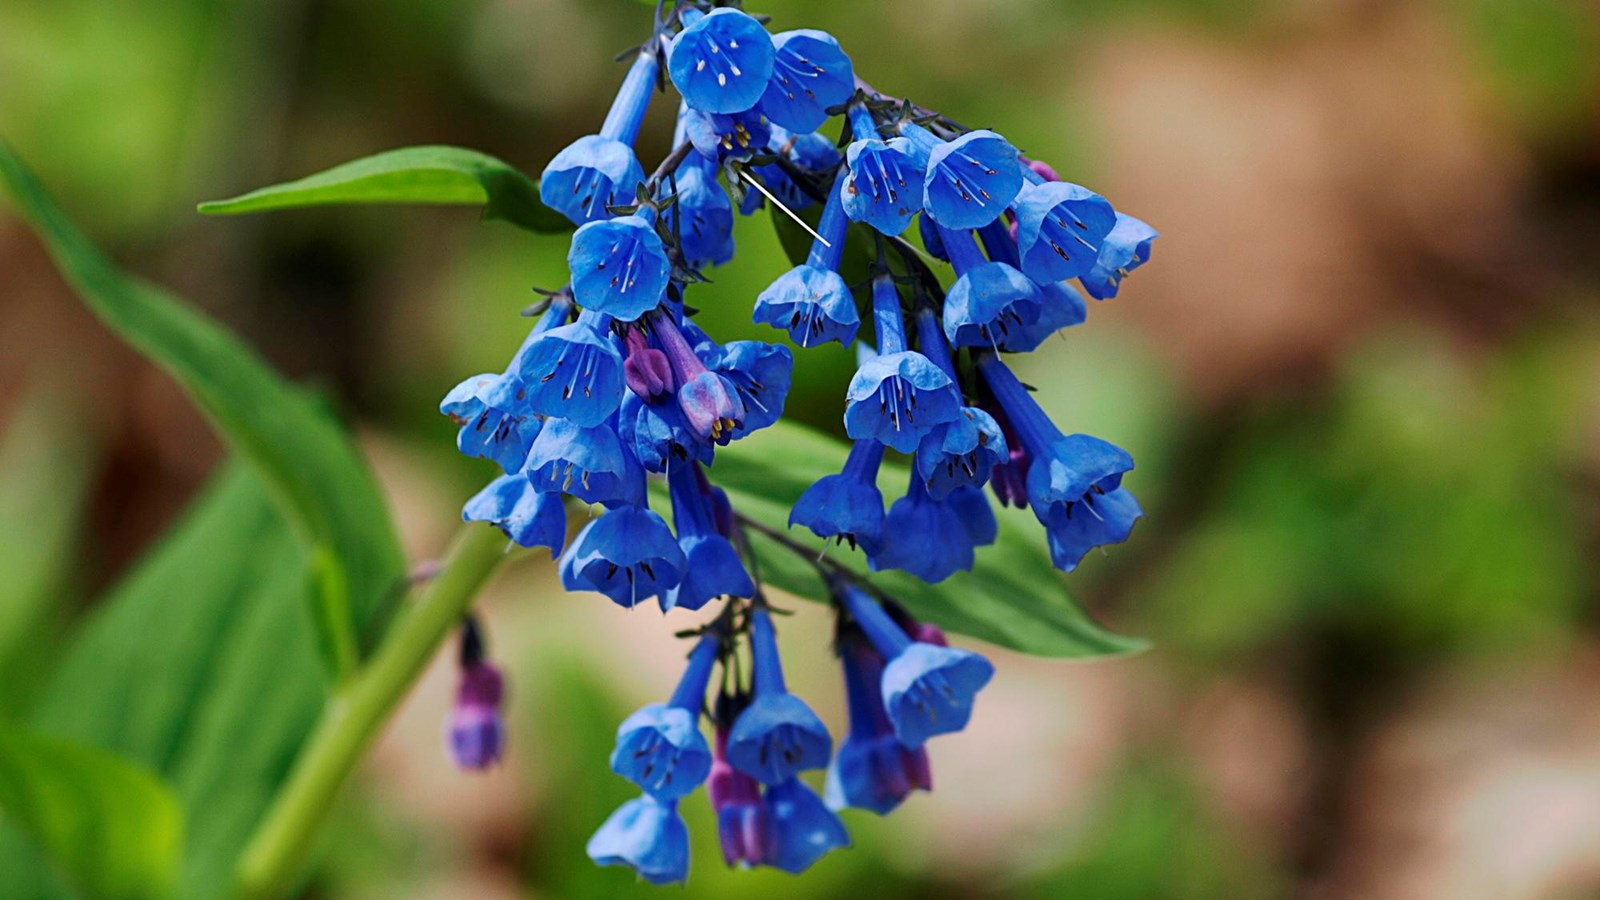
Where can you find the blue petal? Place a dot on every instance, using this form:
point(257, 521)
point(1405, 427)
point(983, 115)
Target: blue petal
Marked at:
point(619, 267)
point(971, 180)
point(928, 690)
point(760, 374)
point(810, 75)
point(802, 828)
point(1107, 519)
point(702, 216)
point(1060, 227)
point(814, 304)
point(502, 434)
point(1068, 470)
point(986, 303)
point(776, 737)
point(1061, 306)
point(717, 136)
point(884, 188)
point(875, 772)
point(628, 554)
point(925, 537)
point(647, 836)
point(660, 748)
point(847, 505)
point(897, 398)
point(721, 63)
point(571, 372)
point(588, 463)
point(931, 241)
point(1126, 248)
point(659, 436)
point(713, 570)
point(977, 516)
point(591, 174)
point(527, 516)
point(962, 452)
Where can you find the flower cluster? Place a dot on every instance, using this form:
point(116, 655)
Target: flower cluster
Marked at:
point(615, 382)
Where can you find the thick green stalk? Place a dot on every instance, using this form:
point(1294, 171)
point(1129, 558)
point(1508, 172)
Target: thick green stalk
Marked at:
point(273, 860)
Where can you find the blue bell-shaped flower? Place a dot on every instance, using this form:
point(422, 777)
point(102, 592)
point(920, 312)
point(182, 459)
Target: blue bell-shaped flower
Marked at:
point(649, 837)
point(660, 747)
point(777, 735)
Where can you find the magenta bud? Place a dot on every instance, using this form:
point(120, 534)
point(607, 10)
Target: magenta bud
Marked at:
point(477, 736)
point(648, 373)
point(929, 634)
point(1043, 170)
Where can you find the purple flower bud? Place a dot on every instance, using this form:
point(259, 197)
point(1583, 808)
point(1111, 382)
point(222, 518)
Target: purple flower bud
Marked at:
point(736, 799)
point(646, 370)
point(477, 736)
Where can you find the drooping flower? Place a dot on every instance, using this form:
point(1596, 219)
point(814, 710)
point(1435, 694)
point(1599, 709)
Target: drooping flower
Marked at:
point(701, 214)
point(897, 396)
point(1069, 476)
point(619, 266)
point(660, 747)
point(777, 735)
point(924, 536)
point(1060, 304)
point(713, 568)
point(476, 735)
point(658, 435)
point(759, 373)
point(801, 829)
point(969, 181)
point(649, 837)
point(988, 300)
point(588, 463)
point(529, 517)
point(847, 506)
point(965, 449)
point(885, 186)
point(1060, 227)
point(721, 61)
point(872, 769)
point(599, 171)
point(810, 74)
point(486, 431)
point(811, 301)
point(501, 433)
point(628, 554)
point(1126, 248)
point(927, 689)
point(571, 372)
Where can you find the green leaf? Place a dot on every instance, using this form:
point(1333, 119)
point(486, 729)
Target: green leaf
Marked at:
point(201, 664)
point(1013, 597)
point(450, 176)
point(47, 467)
point(307, 461)
point(114, 829)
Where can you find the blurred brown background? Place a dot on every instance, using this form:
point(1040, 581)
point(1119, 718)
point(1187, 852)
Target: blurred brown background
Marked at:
point(1361, 377)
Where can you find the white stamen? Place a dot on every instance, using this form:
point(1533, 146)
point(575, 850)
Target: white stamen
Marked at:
point(722, 80)
point(700, 66)
point(779, 204)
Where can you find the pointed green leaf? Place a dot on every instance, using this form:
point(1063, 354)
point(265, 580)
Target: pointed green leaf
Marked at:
point(450, 176)
point(1012, 598)
point(307, 461)
point(113, 829)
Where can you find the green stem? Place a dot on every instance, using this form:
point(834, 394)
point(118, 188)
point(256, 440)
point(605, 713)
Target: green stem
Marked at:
point(273, 860)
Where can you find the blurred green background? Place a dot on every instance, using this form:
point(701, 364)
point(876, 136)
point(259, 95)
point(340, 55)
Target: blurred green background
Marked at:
point(1361, 378)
